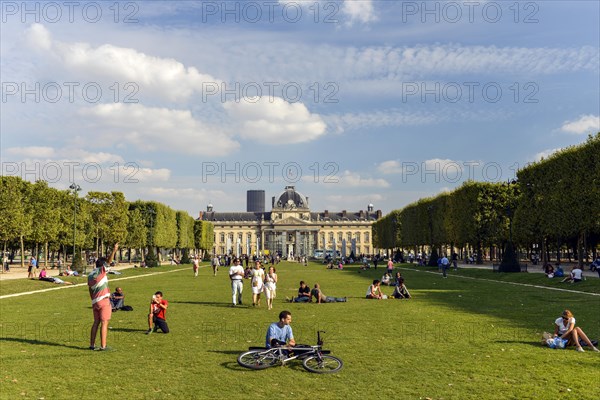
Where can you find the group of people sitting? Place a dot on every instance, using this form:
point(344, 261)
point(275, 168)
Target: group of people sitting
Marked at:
point(45, 277)
point(552, 272)
point(306, 295)
point(400, 290)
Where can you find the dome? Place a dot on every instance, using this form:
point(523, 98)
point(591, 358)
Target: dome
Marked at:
point(291, 199)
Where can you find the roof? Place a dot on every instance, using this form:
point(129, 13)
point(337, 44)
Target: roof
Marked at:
point(290, 199)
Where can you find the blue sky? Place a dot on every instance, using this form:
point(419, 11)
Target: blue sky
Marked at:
point(353, 102)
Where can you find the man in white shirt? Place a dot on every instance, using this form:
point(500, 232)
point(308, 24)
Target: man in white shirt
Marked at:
point(236, 274)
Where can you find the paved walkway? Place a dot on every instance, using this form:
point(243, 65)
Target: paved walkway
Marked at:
point(532, 268)
point(16, 272)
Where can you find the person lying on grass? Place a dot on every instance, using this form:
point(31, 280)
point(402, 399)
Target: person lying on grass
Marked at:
point(44, 277)
point(564, 326)
point(321, 298)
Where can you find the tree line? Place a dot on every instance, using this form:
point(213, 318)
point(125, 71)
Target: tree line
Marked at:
point(57, 223)
point(552, 205)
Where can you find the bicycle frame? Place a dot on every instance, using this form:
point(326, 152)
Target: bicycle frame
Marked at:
point(314, 358)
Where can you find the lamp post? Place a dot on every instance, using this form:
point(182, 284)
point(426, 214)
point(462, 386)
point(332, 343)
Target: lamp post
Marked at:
point(510, 261)
point(75, 188)
point(434, 256)
point(150, 258)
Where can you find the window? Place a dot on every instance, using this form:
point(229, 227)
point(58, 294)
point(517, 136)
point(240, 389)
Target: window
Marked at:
point(331, 236)
point(367, 240)
point(222, 238)
point(349, 236)
point(340, 236)
point(357, 236)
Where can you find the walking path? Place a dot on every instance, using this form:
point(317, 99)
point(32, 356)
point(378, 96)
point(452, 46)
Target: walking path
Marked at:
point(534, 269)
point(59, 287)
point(16, 272)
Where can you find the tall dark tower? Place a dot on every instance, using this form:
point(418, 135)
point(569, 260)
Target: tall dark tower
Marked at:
point(255, 201)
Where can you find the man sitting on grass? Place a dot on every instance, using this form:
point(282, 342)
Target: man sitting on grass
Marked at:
point(117, 299)
point(280, 333)
point(303, 294)
point(157, 315)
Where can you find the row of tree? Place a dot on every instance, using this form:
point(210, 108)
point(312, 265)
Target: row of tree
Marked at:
point(34, 215)
point(553, 203)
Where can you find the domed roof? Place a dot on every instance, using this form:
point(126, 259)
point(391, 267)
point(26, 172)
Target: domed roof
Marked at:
point(291, 199)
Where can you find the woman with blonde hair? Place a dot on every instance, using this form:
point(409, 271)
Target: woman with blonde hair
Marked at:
point(258, 278)
point(270, 287)
point(564, 327)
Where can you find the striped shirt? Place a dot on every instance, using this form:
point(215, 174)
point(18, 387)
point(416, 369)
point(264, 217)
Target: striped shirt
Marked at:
point(98, 285)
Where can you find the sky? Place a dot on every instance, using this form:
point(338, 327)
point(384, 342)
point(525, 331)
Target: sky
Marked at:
point(352, 102)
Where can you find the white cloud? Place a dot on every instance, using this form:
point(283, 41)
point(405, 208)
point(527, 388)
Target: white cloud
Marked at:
point(165, 77)
point(390, 167)
point(353, 179)
point(359, 11)
point(158, 129)
point(135, 173)
point(32, 151)
point(545, 154)
point(338, 203)
point(350, 121)
point(276, 121)
point(585, 124)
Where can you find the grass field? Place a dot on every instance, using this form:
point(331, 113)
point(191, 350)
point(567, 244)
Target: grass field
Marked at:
point(459, 338)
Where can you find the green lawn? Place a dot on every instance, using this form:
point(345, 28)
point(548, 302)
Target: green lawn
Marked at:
point(458, 338)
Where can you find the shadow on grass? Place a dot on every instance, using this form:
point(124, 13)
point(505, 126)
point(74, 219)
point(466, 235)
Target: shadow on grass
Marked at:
point(530, 343)
point(127, 330)
point(205, 303)
point(42, 343)
point(236, 352)
point(234, 366)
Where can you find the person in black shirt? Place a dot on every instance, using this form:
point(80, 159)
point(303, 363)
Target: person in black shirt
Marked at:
point(303, 294)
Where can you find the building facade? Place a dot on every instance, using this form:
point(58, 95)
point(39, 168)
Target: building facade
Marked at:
point(291, 228)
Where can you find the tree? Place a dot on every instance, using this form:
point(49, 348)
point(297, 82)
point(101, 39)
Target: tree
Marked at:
point(15, 220)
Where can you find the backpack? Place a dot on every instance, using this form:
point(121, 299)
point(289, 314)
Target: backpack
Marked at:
point(126, 308)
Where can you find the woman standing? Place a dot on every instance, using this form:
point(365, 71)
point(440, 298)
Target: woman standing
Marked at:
point(270, 287)
point(258, 277)
point(564, 327)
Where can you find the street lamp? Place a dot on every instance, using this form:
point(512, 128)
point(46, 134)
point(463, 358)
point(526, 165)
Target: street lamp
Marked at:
point(510, 261)
point(75, 188)
point(434, 256)
point(151, 213)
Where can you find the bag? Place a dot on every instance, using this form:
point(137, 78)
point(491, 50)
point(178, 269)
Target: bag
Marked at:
point(126, 308)
point(557, 343)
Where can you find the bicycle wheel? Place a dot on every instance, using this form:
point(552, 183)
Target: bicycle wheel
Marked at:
point(322, 364)
point(257, 359)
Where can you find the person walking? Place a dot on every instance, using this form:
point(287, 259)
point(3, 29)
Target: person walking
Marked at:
point(215, 265)
point(445, 263)
point(236, 274)
point(270, 287)
point(258, 278)
point(195, 265)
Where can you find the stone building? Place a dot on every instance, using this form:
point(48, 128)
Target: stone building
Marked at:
point(291, 228)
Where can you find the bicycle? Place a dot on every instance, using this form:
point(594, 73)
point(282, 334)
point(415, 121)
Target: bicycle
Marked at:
point(314, 358)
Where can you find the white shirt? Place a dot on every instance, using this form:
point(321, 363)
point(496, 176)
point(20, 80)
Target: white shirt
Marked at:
point(562, 328)
point(576, 273)
point(236, 269)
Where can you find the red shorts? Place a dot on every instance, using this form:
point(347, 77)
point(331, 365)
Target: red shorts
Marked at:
point(102, 310)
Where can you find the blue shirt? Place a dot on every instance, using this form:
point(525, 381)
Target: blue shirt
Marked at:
point(275, 332)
